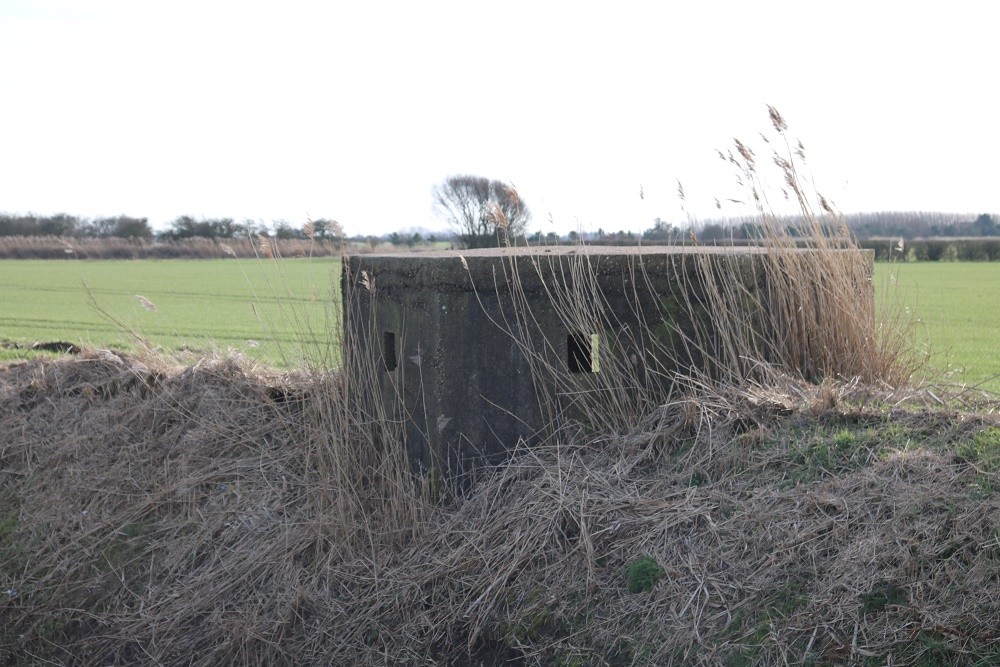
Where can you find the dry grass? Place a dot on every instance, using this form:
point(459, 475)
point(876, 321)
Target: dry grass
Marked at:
point(188, 515)
point(795, 502)
point(798, 302)
point(203, 516)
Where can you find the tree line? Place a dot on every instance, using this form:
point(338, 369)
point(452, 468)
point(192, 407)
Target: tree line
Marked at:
point(183, 227)
point(482, 212)
point(64, 225)
point(923, 225)
point(893, 225)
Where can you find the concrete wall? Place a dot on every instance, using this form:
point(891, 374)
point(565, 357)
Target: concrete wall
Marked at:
point(449, 331)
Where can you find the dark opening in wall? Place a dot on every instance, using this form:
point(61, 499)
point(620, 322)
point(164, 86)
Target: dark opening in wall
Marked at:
point(581, 351)
point(389, 350)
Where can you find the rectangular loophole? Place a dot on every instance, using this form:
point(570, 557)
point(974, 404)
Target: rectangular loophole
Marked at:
point(389, 350)
point(581, 353)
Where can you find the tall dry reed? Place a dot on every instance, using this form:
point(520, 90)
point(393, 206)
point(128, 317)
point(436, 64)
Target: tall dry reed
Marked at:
point(799, 302)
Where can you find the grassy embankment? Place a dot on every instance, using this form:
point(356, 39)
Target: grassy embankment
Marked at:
point(215, 515)
point(226, 305)
point(787, 499)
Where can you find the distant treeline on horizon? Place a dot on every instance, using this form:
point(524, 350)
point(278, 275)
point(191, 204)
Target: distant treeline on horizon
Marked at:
point(904, 225)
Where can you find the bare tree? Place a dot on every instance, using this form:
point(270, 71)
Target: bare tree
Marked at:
point(482, 212)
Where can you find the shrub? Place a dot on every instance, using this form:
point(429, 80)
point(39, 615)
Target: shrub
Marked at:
point(643, 574)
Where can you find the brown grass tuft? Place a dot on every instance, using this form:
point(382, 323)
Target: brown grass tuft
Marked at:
point(145, 303)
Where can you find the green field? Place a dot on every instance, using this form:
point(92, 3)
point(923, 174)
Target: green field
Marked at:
point(200, 305)
point(957, 315)
point(206, 305)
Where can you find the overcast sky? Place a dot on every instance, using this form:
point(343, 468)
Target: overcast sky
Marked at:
point(354, 110)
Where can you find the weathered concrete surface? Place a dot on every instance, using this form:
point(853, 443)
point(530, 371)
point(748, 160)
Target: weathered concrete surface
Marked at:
point(449, 328)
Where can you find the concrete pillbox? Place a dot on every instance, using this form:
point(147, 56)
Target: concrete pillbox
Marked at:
point(447, 331)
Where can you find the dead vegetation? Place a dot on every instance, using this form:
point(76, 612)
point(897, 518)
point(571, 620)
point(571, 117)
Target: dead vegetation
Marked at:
point(181, 516)
point(800, 505)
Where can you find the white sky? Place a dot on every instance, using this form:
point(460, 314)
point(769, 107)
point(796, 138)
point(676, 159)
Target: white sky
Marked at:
point(354, 110)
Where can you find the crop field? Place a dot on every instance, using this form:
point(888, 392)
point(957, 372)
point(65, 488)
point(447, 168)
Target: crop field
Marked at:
point(956, 309)
point(274, 311)
point(267, 310)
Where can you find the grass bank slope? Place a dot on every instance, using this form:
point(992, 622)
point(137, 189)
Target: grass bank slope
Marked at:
point(185, 516)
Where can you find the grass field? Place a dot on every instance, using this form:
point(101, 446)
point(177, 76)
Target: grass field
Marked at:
point(204, 305)
point(957, 308)
point(200, 305)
